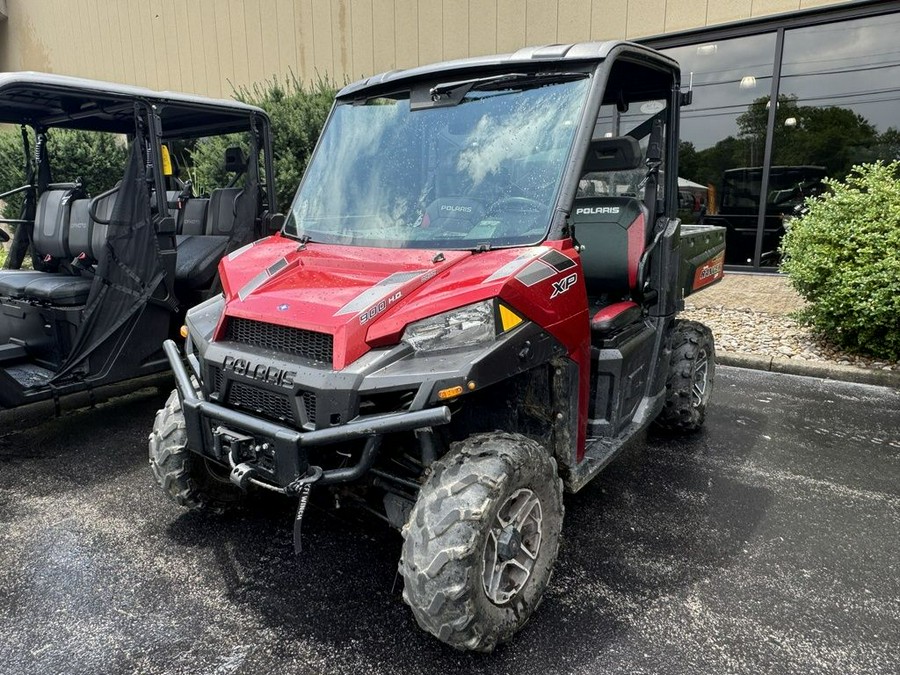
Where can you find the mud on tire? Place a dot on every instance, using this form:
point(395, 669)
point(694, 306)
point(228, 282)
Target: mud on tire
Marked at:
point(451, 537)
point(690, 380)
point(186, 478)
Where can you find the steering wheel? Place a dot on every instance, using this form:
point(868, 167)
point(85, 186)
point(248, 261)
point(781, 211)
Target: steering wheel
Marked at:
point(4, 236)
point(517, 204)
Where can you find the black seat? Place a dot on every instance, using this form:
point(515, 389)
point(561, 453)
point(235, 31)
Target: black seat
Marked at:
point(612, 232)
point(197, 255)
point(80, 228)
point(60, 289)
point(197, 259)
point(192, 216)
point(85, 240)
point(50, 239)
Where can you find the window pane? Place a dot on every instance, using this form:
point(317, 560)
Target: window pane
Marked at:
point(722, 146)
point(837, 106)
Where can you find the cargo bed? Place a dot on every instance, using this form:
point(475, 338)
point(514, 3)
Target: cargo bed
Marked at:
point(702, 256)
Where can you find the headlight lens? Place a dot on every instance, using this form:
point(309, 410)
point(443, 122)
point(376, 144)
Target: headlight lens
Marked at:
point(469, 325)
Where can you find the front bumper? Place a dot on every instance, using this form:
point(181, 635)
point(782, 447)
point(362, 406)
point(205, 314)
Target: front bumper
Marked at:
point(214, 431)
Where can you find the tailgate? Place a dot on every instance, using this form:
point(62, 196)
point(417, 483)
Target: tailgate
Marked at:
point(702, 256)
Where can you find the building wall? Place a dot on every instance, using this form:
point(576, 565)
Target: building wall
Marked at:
point(211, 46)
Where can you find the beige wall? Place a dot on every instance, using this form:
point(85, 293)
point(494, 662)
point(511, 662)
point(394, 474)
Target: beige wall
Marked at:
point(206, 46)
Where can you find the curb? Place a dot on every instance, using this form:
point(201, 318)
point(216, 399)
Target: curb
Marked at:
point(824, 370)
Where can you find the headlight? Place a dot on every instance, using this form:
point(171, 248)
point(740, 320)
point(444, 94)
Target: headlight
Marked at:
point(469, 325)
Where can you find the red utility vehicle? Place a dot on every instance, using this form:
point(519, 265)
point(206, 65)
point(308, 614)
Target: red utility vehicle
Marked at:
point(470, 307)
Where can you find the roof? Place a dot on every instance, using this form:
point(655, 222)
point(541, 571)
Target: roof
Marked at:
point(544, 56)
point(78, 103)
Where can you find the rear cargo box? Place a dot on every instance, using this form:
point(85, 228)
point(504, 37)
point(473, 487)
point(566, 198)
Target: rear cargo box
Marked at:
point(702, 256)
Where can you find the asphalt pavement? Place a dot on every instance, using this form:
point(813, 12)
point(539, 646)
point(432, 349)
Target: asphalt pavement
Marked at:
point(768, 543)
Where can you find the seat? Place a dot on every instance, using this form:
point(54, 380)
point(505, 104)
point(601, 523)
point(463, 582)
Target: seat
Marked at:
point(197, 259)
point(60, 289)
point(80, 228)
point(612, 233)
point(85, 240)
point(192, 216)
point(613, 318)
point(50, 240)
point(197, 255)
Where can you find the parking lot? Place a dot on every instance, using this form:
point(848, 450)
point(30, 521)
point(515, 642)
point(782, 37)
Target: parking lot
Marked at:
point(768, 543)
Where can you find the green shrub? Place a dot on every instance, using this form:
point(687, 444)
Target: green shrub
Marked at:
point(843, 256)
point(97, 158)
point(297, 114)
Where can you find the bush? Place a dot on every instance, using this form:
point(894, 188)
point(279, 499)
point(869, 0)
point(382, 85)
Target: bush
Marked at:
point(297, 115)
point(843, 256)
point(97, 158)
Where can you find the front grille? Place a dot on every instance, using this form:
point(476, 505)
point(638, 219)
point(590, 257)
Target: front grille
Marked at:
point(217, 379)
point(306, 343)
point(269, 404)
point(309, 405)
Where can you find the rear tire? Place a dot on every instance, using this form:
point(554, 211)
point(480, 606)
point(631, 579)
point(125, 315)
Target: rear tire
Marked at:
point(481, 540)
point(690, 381)
point(185, 477)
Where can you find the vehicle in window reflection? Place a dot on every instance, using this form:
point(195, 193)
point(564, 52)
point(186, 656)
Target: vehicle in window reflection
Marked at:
point(738, 206)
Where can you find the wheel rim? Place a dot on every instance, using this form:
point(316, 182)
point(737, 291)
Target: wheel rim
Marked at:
point(700, 379)
point(512, 546)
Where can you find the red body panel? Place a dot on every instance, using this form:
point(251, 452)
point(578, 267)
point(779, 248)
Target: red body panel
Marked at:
point(365, 297)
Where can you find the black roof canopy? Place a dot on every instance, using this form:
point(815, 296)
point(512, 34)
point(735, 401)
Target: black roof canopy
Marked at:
point(59, 101)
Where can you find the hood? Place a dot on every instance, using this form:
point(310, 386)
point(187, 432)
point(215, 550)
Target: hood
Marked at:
point(353, 292)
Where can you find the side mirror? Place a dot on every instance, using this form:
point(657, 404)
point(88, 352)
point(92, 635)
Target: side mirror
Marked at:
point(274, 222)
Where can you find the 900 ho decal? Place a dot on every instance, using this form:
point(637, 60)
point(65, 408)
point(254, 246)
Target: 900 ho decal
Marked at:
point(377, 309)
point(561, 286)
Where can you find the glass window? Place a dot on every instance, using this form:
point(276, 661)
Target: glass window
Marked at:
point(483, 171)
point(722, 145)
point(634, 121)
point(837, 106)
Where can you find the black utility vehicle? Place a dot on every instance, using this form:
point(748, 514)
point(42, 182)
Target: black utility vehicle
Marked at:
point(113, 271)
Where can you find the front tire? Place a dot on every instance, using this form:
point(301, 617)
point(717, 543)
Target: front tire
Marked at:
point(689, 384)
point(481, 540)
point(185, 477)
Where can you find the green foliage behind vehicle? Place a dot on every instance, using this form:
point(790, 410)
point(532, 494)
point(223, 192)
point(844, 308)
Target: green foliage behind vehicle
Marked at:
point(843, 256)
point(94, 157)
point(297, 113)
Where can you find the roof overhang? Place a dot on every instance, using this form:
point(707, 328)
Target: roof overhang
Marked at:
point(59, 101)
point(546, 56)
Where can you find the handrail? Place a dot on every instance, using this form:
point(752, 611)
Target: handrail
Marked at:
point(91, 208)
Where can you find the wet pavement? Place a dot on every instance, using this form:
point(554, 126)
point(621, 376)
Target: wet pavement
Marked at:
point(767, 543)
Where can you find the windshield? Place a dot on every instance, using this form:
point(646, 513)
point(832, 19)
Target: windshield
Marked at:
point(483, 172)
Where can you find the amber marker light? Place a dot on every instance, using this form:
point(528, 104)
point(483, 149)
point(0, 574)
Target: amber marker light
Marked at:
point(450, 392)
point(183, 332)
point(508, 318)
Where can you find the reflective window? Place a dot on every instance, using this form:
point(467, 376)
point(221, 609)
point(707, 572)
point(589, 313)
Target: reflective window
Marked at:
point(722, 144)
point(837, 106)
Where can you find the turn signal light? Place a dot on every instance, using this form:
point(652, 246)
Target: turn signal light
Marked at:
point(183, 332)
point(450, 392)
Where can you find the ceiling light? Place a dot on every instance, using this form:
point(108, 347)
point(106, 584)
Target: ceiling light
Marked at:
point(707, 50)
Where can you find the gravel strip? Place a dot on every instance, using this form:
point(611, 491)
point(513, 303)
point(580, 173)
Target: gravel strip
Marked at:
point(743, 331)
